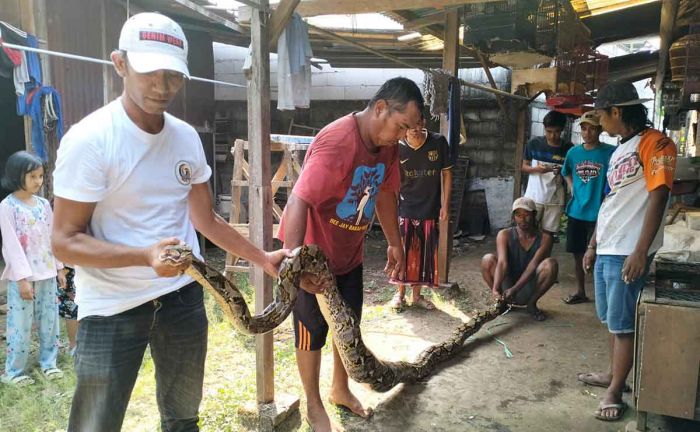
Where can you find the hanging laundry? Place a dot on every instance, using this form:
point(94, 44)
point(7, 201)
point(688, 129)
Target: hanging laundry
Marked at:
point(33, 62)
point(26, 70)
point(247, 67)
point(33, 65)
point(9, 57)
point(46, 117)
point(294, 65)
point(20, 75)
point(436, 87)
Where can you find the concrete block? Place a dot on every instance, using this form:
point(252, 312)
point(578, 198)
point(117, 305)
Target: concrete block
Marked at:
point(272, 414)
point(471, 115)
point(339, 77)
point(360, 92)
point(499, 191)
point(484, 128)
point(327, 93)
point(478, 143)
point(491, 114)
point(537, 129)
point(319, 79)
point(224, 93)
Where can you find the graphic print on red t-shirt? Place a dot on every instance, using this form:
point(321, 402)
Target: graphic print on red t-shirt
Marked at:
point(356, 209)
point(340, 181)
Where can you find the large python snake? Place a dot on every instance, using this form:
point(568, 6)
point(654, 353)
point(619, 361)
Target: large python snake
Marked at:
point(360, 363)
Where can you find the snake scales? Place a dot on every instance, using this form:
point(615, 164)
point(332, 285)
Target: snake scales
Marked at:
point(361, 364)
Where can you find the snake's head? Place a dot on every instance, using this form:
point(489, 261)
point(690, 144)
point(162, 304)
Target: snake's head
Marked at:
point(176, 254)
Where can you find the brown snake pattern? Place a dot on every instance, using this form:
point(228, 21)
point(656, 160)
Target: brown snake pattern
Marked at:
point(360, 363)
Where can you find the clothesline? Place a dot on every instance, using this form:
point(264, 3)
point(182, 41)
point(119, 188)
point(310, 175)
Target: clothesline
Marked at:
point(100, 61)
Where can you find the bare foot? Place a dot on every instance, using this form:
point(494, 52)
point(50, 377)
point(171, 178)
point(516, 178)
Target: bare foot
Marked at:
point(318, 419)
point(598, 379)
point(537, 314)
point(347, 400)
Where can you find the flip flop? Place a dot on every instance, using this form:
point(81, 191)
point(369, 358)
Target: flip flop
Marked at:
point(53, 373)
point(424, 303)
point(575, 299)
point(585, 377)
point(397, 303)
point(620, 407)
point(19, 380)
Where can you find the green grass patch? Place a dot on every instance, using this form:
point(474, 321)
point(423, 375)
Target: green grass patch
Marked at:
point(229, 401)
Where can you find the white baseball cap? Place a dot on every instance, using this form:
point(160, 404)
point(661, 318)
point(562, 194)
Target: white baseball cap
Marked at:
point(154, 42)
point(525, 204)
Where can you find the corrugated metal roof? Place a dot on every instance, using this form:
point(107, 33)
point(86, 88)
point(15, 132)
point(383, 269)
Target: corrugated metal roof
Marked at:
point(586, 8)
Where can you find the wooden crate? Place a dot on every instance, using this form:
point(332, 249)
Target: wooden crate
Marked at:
point(667, 353)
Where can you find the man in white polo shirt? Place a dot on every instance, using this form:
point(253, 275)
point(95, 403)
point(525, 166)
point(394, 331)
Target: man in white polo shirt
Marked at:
point(131, 179)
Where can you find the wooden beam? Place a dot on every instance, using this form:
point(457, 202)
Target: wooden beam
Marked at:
point(26, 10)
point(260, 191)
point(669, 9)
point(279, 19)
point(406, 19)
point(335, 7)
point(211, 15)
point(435, 18)
point(255, 4)
point(450, 62)
point(487, 70)
point(400, 61)
point(612, 7)
point(520, 135)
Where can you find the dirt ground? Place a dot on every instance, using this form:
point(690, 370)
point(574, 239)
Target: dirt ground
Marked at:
point(482, 389)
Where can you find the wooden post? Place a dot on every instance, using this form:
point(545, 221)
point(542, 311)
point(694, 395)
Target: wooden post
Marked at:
point(669, 9)
point(271, 412)
point(260, 192)
point(519, 148)
point(450, 62)
point(26, 10)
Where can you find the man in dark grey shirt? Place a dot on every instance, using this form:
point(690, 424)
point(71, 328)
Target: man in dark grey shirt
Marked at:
point(522, 269)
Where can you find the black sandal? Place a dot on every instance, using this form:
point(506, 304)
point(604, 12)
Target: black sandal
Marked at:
point(575, 299)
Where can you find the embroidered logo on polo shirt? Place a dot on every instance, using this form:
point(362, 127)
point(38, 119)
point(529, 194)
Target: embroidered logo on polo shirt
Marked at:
point(183, 172)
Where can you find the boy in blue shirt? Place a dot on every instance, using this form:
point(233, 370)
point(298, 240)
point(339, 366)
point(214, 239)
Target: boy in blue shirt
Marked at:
point(585, 169)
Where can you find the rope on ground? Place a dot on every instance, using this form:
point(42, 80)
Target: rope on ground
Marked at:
point(506, 351)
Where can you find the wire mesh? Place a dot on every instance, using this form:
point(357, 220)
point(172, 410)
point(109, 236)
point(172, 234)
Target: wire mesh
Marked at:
point(580, 70)
point(546, 26)
point(501, 26)
point(678, 295)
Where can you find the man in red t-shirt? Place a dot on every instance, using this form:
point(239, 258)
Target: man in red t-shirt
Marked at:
point(350, 169)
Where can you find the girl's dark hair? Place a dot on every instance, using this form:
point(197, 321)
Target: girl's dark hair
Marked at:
point(17, 167)
point(635, 117)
